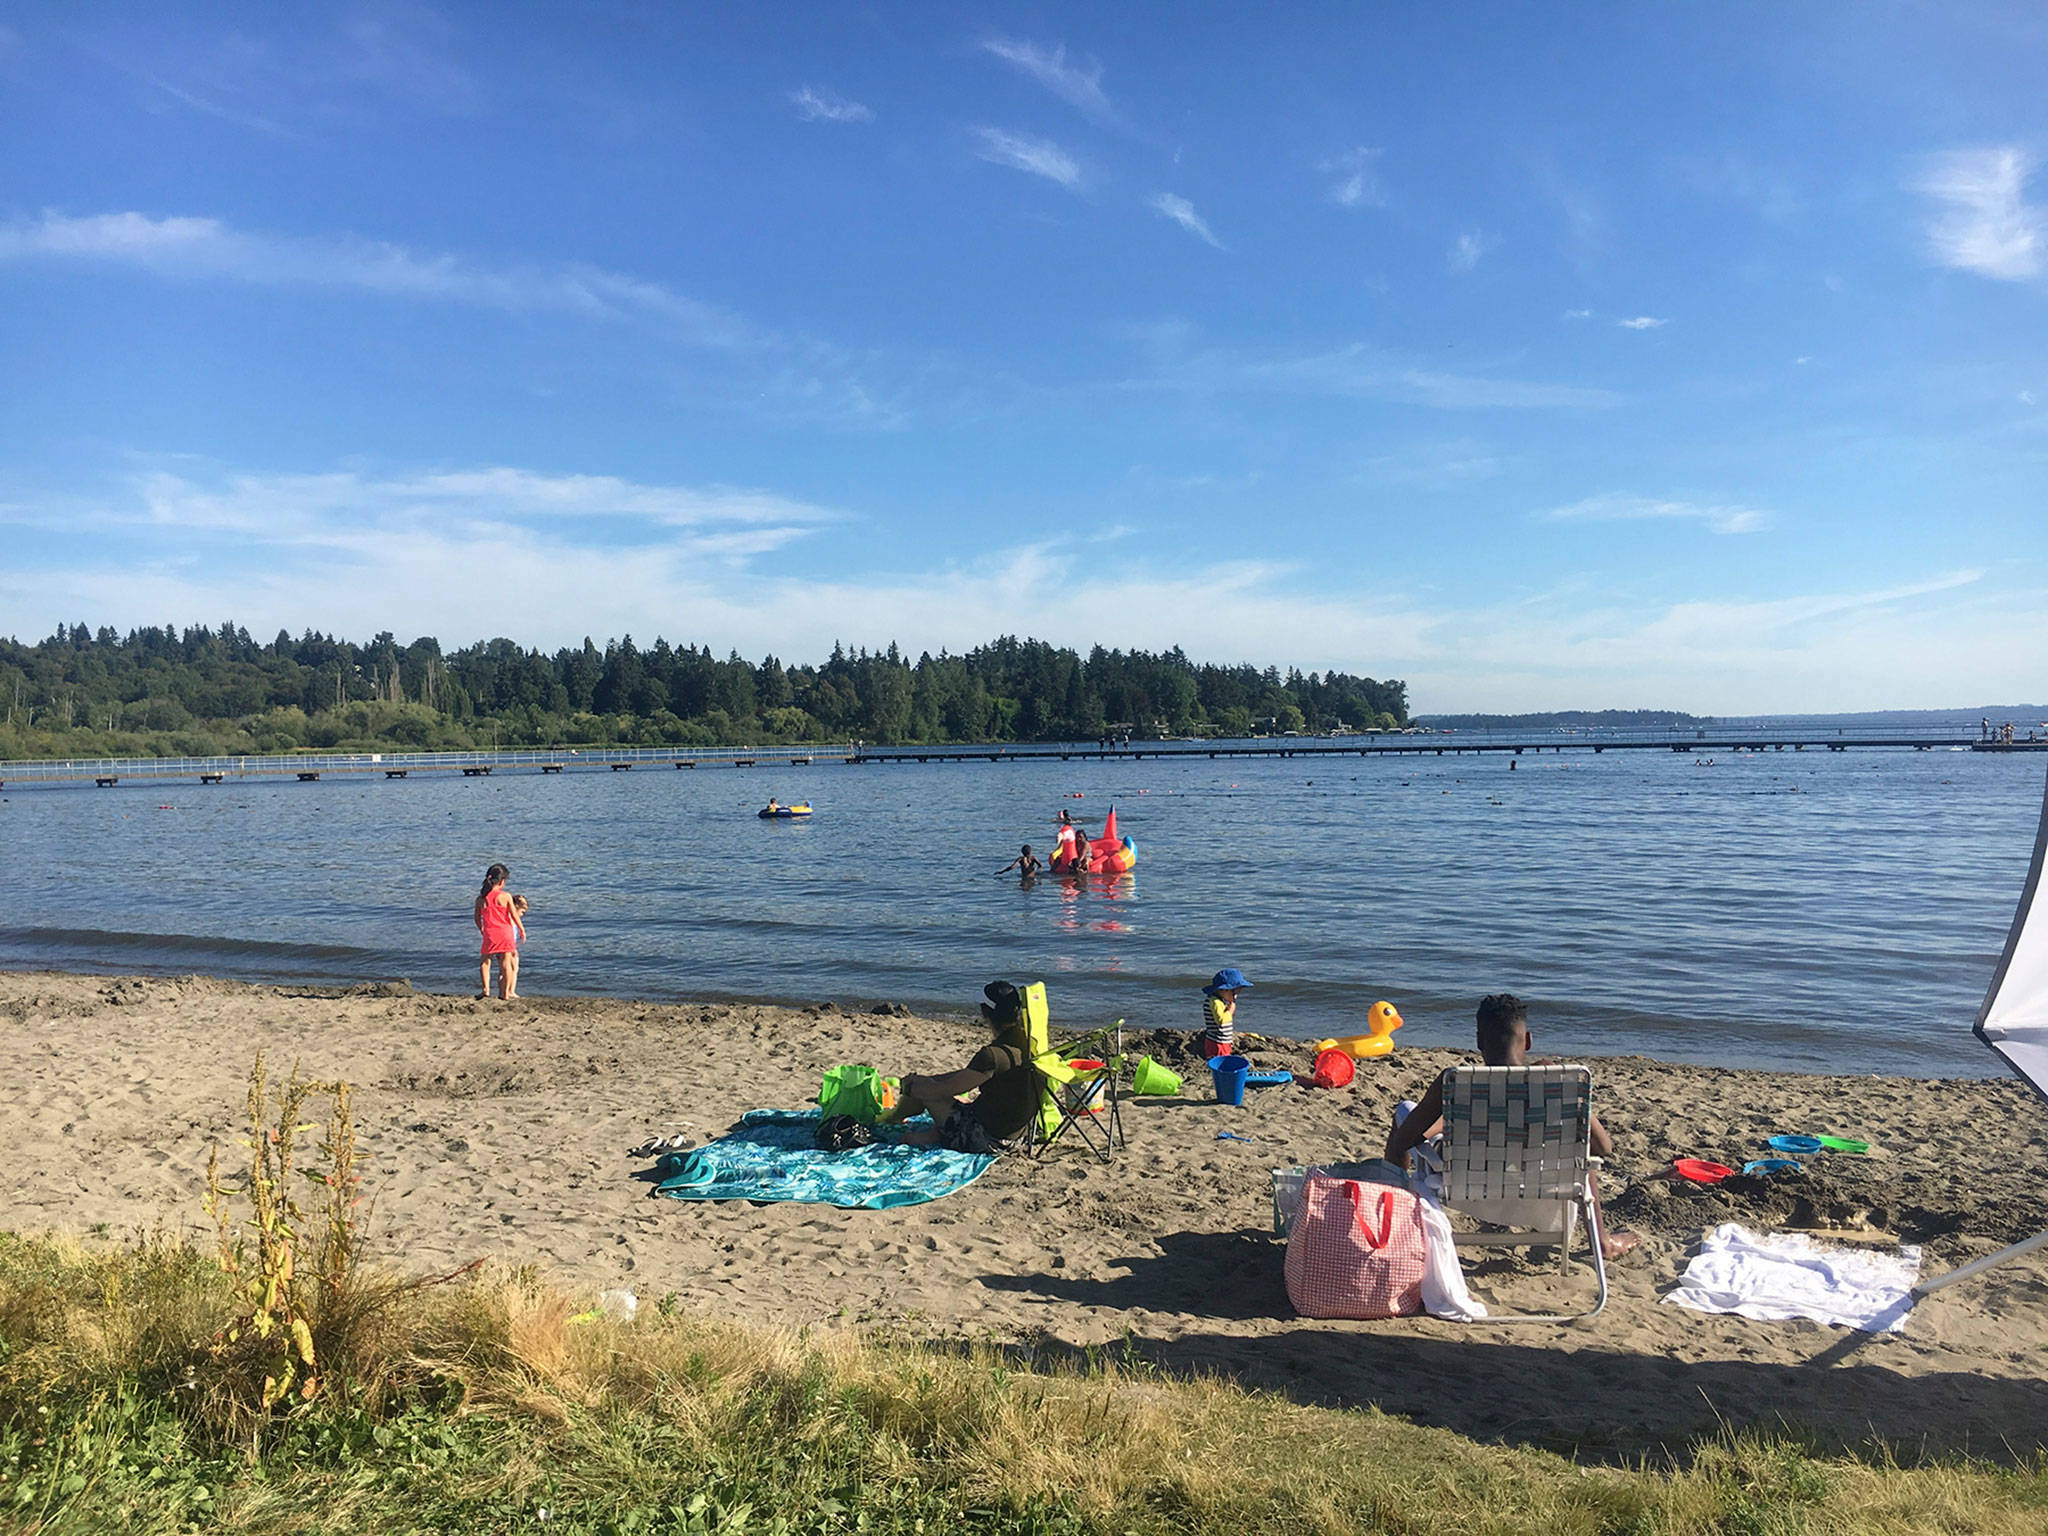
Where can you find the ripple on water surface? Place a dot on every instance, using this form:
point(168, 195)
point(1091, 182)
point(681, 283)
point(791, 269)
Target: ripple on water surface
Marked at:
point(1838, 912)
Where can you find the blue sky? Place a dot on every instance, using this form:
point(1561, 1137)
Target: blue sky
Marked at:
point(1610, 355)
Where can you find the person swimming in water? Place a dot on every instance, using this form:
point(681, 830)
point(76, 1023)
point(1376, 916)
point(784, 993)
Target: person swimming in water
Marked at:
point(1026, 864)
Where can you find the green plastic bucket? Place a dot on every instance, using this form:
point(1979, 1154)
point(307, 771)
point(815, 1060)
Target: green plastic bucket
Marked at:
point(1150, 1077)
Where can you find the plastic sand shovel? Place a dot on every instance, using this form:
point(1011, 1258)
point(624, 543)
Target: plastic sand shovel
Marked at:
point(1268, 1079)
point(1694, 1171)
point(1798, 1146)
point(1767, 1166)
point(1845, 1144)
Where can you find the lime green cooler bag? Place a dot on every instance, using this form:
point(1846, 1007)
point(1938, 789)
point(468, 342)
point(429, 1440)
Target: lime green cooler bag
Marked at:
point(859, 1091)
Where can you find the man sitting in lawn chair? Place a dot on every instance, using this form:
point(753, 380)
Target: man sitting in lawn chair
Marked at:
point(1002, 1070)
point(1504, 1041)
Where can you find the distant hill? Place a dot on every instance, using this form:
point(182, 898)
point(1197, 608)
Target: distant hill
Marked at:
point(1997, 714)
point(1569, 719)
point(1964, 722)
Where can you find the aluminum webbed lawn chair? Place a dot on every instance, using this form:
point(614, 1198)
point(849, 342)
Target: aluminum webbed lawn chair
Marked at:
point(1517, 1154)
point(1083, 1100)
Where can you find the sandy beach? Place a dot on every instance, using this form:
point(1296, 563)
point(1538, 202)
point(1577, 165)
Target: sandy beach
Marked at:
point(500, 1131)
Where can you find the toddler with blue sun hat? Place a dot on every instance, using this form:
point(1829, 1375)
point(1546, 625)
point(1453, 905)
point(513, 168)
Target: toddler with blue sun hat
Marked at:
point(1219, 1012)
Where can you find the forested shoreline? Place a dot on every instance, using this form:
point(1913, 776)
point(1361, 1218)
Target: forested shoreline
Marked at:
point(200, 691)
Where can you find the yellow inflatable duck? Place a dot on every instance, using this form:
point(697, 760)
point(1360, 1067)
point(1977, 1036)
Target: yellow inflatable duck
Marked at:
point(1384, 1018)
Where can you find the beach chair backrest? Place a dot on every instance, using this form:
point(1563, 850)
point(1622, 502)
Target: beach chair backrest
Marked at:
point(1052, 1071)
point(1516, 1142)
point(1038, 1018)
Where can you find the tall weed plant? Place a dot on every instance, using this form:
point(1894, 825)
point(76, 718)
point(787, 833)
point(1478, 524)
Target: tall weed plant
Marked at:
point(290, 1270)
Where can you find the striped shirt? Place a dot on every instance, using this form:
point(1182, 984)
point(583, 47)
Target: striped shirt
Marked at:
point(1219, 1020)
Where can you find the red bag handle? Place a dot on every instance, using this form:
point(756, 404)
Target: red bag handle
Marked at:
point(1386, 1213)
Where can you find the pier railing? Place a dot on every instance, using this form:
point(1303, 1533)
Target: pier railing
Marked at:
point(398, 764)
point(1721, 737)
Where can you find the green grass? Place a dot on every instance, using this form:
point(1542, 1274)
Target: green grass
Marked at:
point(486, 1406)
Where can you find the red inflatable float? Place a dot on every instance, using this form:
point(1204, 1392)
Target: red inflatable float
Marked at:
point(1109, 854)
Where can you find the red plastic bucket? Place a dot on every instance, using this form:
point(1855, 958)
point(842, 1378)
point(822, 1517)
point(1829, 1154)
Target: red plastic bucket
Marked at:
point(1086, 1097)
point(1334, 1069)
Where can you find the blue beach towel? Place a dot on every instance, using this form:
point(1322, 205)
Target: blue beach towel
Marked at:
point(774, 1156)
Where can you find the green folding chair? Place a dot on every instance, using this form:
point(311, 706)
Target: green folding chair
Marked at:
point(1085, 1100)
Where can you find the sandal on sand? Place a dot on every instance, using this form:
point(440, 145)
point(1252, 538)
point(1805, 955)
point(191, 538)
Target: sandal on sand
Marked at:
point(653, 1144)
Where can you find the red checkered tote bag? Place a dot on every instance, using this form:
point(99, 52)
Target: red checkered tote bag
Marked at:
point(1357, 1250)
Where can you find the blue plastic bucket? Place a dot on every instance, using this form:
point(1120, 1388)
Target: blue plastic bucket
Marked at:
point(1229, 1072)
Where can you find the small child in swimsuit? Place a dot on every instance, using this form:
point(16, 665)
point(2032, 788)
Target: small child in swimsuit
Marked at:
point(1219, 1012)
point(512, 959)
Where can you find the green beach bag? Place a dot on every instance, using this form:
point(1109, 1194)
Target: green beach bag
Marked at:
point(856, 1090)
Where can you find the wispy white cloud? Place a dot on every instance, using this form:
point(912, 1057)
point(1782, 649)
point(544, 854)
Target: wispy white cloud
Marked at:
point(1721, 518)
point(1182, 212)
point(358, 553)
point(1452, 465)
point(410, 52)
point(193, 248)
point(304, 83)
point(206, 247)
point(2025, 397)
point(1578, 314)
point(1033, 156)
point(1077, 83)
point(210, 106)
point(1362, 372)
point(817, 105)
point(1356, 371)
point(1357, 182)
point(1467, 249)
point(343, 509)
point(1941, 638)
point(1642, 322)
point(1765, 190)
point(1986, 226)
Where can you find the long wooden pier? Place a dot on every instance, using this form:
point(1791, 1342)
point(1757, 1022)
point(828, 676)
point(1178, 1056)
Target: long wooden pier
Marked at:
point(313, 767)
point(1443, 745)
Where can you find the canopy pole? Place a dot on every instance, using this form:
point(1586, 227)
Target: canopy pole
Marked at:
point(1927, 1288)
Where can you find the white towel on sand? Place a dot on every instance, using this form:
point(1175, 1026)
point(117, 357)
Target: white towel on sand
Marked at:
point(1788, 1275)
point(1443, 1281)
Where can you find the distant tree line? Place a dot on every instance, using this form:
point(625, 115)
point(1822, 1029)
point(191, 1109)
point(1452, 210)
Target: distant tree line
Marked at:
point(1569, 719)
point(200, 691)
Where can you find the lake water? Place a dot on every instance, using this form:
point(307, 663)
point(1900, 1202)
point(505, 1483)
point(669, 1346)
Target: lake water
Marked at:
point(1820, 911)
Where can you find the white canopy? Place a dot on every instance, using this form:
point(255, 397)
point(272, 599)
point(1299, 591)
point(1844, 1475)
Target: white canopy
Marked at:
point(2014, 1023)
point(2014, 1018)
